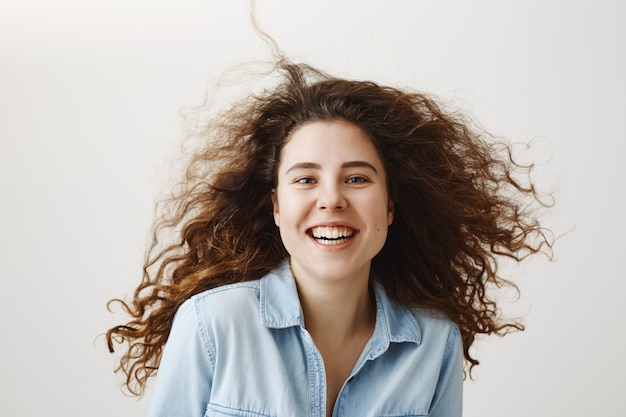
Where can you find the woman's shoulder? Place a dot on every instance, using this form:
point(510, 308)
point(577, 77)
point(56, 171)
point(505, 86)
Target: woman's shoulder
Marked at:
point(435, 325)
point(228, 291)
point(418, 320)
point(234, 303)
point(222, 302)
point(227, 296)
point(430, 318)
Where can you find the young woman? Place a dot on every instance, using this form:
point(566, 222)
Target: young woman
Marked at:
point(338, 242)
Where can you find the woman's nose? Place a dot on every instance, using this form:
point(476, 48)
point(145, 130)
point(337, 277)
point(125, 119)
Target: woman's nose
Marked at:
point(331, 197)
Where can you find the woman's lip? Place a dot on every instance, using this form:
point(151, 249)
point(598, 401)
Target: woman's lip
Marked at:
point(336, 232)
point(333, 224)
point(334, 236)
point(332, 231)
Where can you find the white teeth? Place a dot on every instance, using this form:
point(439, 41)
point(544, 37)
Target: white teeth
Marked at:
point(332, 235)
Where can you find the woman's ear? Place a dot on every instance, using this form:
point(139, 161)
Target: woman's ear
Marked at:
point(275, 206)
point(390, 212)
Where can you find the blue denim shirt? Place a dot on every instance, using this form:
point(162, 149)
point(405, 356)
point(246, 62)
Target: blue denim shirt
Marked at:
point(242, 350)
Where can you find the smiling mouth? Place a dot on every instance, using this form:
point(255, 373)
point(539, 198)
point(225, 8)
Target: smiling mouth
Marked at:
point(332, 235)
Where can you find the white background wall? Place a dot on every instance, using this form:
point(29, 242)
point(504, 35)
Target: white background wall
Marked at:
point(90, 94)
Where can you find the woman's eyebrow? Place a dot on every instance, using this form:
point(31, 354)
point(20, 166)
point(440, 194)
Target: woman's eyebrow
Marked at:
point(359, 164)
point(350, 164)
point(304, 165)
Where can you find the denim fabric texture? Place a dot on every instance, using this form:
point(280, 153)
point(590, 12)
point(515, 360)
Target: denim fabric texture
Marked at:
point(243, 350)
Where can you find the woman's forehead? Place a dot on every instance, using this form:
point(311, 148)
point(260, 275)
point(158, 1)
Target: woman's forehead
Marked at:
point(334, 141)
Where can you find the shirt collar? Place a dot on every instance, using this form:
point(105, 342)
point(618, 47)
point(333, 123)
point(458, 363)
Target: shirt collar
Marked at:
point(279, 302)
point(394, 324)
point(280, 308)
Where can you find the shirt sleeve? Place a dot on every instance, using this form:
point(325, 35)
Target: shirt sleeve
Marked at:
point(448, 398)
point(185, 374)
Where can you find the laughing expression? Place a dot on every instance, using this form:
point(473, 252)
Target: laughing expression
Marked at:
point(331, 203)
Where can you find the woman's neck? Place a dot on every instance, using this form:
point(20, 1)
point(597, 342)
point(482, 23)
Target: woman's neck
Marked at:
point(340, 316)
point(335, 312)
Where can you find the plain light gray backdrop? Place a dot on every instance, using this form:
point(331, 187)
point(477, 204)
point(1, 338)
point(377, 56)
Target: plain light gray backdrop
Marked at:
point(90, 95)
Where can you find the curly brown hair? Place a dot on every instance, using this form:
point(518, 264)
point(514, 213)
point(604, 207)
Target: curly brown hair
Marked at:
point(459, 207)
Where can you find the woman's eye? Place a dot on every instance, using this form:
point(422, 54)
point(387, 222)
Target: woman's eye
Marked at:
point(305, 180)
point(356, 180)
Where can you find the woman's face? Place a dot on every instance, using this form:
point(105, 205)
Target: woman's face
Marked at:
point(331, 203)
